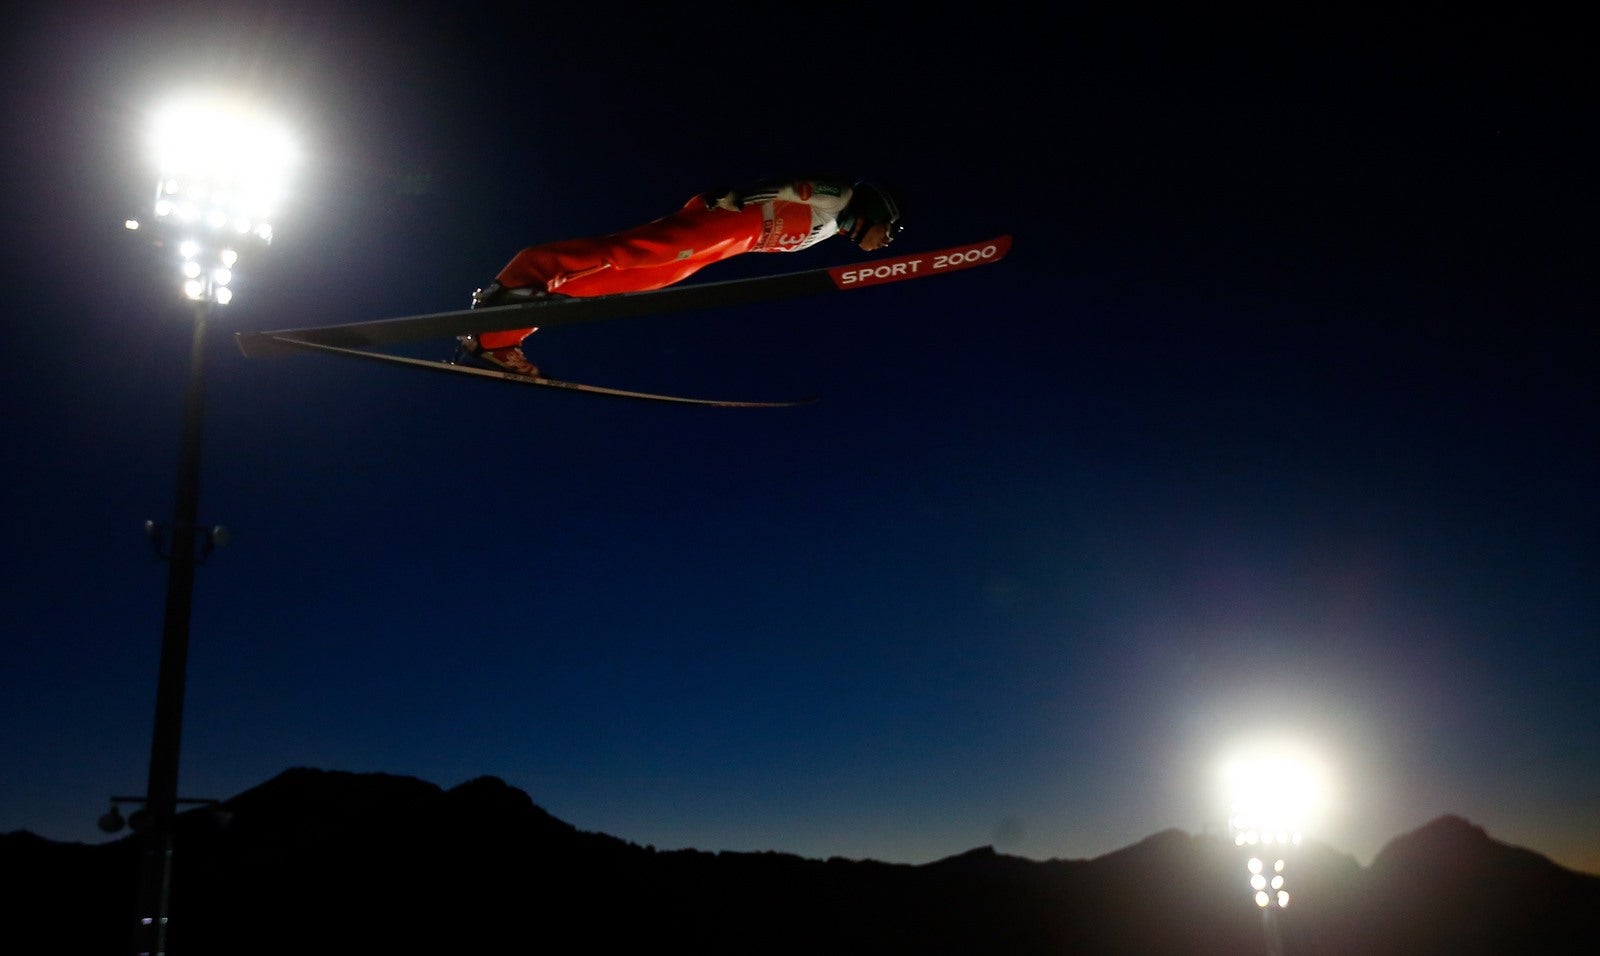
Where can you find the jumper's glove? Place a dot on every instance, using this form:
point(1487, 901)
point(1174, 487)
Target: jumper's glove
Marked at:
point(722, 199)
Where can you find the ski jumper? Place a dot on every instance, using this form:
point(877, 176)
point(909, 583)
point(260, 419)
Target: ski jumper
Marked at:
point(770, 217)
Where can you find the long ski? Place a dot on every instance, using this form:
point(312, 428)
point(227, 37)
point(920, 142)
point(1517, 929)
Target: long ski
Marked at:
point(548, 313)
point(292, 343)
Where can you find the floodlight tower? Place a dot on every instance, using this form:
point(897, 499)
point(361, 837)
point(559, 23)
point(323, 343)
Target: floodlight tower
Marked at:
point(220, 172)
point(1271, 793)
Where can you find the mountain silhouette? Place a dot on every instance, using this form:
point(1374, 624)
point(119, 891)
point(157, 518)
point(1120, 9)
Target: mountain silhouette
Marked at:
point(317, 861)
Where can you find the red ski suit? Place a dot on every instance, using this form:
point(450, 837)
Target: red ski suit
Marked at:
point(771, 217)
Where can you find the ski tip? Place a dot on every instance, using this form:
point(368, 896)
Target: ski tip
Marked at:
point(918, 265)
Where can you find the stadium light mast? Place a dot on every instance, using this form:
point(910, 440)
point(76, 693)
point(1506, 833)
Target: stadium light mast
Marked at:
point(220, 174)
point(1271, 793)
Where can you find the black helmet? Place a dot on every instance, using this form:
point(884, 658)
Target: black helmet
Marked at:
point(870, 204)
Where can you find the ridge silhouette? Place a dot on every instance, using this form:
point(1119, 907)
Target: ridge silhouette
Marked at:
point(316, 861)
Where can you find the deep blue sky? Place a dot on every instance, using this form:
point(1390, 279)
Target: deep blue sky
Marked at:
point(1280, 415)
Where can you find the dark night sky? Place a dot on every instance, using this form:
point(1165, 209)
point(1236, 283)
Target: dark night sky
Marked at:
point(1279, 419)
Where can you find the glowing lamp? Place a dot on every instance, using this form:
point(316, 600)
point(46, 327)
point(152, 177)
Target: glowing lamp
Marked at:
point(222, 170)
point(1272, 791)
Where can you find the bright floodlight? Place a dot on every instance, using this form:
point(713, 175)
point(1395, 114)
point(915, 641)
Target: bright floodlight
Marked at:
point(1273, 790)
point(222, 172)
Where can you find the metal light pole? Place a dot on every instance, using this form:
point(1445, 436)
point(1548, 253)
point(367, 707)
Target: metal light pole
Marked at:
point(218, 180)
point(161, 793)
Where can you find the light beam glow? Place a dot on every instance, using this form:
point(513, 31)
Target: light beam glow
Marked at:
point(1274, 790)
point(224, 152)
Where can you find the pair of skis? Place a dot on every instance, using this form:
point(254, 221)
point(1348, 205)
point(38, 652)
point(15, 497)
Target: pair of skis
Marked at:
point(358, 340)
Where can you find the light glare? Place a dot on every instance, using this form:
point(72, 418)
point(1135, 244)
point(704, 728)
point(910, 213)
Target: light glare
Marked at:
point(216, 145)
point(1273, 790)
